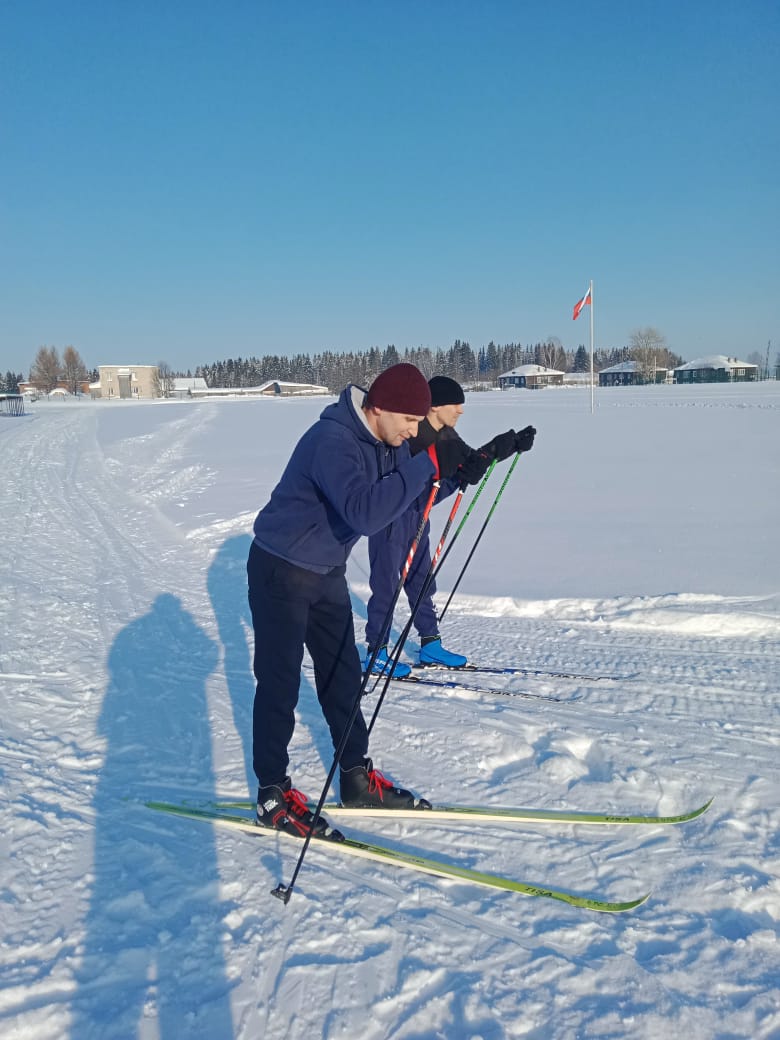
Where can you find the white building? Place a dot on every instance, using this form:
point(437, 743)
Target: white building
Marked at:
point(127, 382)
point(271, 388)
point(532, 377)
point(189, 386)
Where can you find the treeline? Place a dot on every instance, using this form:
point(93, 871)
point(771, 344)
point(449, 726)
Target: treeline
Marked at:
point(334, 370)
point(49, 371)
point(9, 383)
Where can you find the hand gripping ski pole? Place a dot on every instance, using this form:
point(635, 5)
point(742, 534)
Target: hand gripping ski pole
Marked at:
point(284, 892)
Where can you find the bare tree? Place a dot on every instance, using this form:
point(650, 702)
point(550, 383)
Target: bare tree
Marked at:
point(553, 354)
point(74, 371)
point(648, 348)
point(46, 370)
point(754, 358)
point(165, 379)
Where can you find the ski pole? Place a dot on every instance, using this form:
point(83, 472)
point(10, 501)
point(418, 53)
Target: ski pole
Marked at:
point(388, 621)
point(396, 653)
point(447, 526)
point(284, 892)
point(432, 572)
point(481, 532)
point(451, 545)
point(466, 515)
point(398, 647)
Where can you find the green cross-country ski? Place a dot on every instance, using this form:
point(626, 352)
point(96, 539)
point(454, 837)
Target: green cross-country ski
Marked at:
point(412, 861)
point(488, 814)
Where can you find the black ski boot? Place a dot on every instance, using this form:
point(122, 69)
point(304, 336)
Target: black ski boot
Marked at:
point(282, 808)
point(364, 787)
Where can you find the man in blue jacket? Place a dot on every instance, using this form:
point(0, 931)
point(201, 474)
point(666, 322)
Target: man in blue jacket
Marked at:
point(459, 465)
point(349, 475)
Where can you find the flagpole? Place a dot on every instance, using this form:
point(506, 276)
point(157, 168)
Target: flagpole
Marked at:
point(591, 346)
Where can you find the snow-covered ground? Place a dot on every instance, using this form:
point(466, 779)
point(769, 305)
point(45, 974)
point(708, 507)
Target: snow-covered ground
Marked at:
point(641, 541)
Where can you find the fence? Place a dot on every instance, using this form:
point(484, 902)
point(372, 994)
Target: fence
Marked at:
point(11, 404)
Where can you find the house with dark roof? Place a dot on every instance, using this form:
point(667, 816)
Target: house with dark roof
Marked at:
point(629, 373)
point(716, 369)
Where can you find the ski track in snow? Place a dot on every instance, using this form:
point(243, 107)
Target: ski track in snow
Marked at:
point(125, 675)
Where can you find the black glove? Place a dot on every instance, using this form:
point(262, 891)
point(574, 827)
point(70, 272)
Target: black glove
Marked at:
point(501, 447)
point(426, 436)
point(451, 452)
point(473, 467)
point(524, 440)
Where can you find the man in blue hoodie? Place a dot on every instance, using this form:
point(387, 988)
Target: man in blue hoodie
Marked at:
point(350, 474)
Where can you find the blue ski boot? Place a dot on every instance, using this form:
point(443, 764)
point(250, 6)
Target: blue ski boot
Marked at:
point(382, 665)
point(433, 654)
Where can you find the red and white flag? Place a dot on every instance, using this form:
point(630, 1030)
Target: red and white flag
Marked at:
point(580, 304)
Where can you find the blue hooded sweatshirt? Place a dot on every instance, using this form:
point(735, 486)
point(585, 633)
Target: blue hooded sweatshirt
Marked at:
point(341, 482)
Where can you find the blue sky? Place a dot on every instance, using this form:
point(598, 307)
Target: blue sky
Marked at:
point(190, 181)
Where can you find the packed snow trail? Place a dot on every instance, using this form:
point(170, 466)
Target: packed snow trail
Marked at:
point(125, 675)
point(115, 694)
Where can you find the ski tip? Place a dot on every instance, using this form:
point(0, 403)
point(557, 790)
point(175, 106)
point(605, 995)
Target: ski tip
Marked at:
point(694, 814)
point(632, 904)
point(604, 906)
point(702, 809)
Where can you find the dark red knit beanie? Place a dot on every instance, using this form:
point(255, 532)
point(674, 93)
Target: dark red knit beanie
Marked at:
point(445, 391)
point(401, 388)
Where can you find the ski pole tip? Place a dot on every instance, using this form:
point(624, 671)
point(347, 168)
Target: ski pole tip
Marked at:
point(282, 892)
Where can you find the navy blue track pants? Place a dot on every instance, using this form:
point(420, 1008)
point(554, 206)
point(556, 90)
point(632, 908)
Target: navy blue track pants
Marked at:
point(293, 608)
point(387, 553)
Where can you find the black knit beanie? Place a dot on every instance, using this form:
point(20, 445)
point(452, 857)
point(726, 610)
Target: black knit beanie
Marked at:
point(445, 391)
point(400, 388)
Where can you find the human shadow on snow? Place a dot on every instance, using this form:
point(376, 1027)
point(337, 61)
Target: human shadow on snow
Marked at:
point(227, 588)
point(154, 931)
